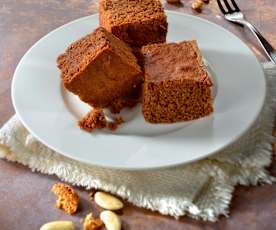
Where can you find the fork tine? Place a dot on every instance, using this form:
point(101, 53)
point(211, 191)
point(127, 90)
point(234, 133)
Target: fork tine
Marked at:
point(221, 7)
point(235, 5)
point(228, 6)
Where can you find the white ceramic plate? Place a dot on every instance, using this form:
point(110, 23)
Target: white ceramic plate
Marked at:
point(50, 113)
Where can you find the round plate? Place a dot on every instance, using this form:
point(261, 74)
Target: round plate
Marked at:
point(50, 113)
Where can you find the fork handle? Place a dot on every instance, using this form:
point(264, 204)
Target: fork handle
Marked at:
point(269, 50)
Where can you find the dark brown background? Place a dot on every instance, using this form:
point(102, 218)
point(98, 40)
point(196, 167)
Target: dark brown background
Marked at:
point(25, 200)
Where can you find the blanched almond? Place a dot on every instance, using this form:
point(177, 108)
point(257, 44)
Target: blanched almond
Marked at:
point(111, 220)
point(108, 201)
point(58, 225)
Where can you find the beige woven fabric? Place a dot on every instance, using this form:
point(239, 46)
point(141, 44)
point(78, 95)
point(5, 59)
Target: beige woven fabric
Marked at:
point(202, 189)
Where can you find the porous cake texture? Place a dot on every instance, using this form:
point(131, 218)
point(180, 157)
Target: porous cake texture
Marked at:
point(177, 86)
point(100, 69)
point(137, 22)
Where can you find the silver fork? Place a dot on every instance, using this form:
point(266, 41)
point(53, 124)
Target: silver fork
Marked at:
point(233, 14)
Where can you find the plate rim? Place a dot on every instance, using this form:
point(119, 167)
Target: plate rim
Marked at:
point(141, 168)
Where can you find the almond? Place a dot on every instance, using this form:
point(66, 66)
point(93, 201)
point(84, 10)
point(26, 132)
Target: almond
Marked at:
point(108, 201)
point(111, 220)
point(58, 225)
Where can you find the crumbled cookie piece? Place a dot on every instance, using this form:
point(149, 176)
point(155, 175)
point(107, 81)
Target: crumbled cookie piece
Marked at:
point(91, 223)
point(197, 5)
point(114, 125)
point(95, 119)
point(68, 199)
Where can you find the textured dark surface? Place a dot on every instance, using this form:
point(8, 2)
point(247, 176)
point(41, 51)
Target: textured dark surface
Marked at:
point(25, 198)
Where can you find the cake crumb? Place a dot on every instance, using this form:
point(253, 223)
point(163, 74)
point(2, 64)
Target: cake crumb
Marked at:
point(95, 119)
point(91, 223)
point(114, 125)
point(68, 199)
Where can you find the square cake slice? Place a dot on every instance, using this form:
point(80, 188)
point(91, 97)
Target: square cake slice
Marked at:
point(137, 22)
point(177, 86)
point(100, 69)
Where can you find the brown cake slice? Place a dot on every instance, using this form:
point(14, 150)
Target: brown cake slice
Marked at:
point(137, 22)
point(100, 69)
point(177, 86)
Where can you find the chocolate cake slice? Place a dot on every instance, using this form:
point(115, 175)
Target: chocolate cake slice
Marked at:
point(177, 86)
point(100, 69)
point(137, 22)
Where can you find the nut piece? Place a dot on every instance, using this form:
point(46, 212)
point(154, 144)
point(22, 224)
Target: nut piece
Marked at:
point(173, 1)
point(68, 199)
point(58, 225)
point(111, 220)
point(197, 5)
point(90, 223)
point(107, 201)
